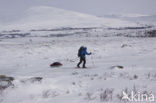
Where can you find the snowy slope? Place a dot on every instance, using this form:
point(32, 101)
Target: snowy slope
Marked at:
point(150, 19)
point(23, 59)
point(45, 35)
point(49, 17)
point(141, 18)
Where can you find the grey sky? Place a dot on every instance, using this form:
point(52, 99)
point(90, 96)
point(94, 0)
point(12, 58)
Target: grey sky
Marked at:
point(95, 7)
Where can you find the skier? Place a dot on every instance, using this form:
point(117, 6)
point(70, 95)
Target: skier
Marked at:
point(81, 54)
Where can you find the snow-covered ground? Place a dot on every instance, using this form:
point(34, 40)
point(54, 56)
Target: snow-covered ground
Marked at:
point(27, 52)
point(139, 18)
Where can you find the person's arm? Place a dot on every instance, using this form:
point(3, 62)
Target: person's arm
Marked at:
point(87, 53)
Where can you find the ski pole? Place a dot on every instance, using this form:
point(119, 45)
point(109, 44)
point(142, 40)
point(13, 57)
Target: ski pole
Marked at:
point(92, 60)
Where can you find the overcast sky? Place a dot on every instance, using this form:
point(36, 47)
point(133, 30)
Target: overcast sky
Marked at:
point(95, 7)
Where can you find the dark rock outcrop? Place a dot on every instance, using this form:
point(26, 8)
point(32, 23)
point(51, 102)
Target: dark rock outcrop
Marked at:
point(5, 82)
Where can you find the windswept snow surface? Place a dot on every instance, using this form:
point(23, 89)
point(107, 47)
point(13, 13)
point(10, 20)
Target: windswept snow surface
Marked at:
point(27, 57)
point(29, 50)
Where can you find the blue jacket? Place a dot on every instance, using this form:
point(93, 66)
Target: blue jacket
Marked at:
point(84, 52)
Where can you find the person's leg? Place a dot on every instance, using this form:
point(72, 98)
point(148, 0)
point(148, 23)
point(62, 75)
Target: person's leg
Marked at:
point(78, 65)
point(84, 62)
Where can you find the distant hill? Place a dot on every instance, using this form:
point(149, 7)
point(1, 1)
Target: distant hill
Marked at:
point(50, 17)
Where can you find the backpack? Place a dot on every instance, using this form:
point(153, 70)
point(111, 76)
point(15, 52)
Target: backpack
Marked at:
point(80, 50)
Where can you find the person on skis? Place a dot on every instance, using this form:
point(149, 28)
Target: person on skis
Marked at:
point(82, 52)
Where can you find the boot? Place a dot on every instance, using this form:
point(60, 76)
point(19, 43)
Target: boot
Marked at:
point(84, 67)
point(78, 66)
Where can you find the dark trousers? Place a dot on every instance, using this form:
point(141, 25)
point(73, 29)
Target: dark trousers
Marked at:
point(82, 59)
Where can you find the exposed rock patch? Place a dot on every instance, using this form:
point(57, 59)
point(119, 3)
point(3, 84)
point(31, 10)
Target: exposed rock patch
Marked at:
point(5, 82)
point(32, 80)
